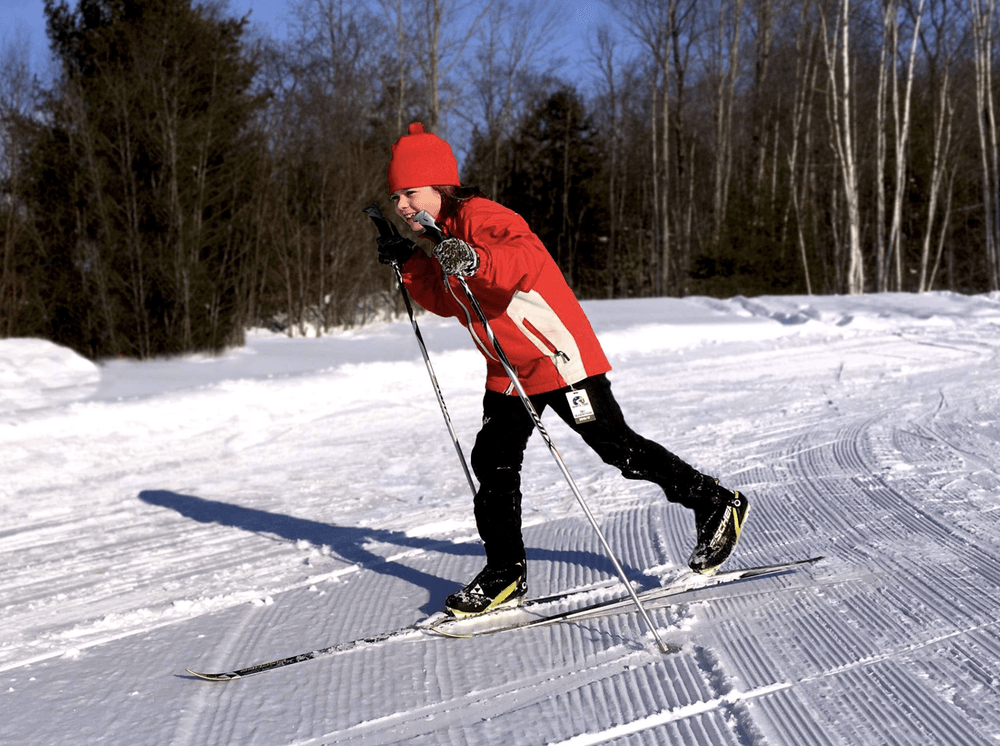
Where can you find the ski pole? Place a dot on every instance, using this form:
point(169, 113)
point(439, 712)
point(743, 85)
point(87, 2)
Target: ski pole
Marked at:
point(425, 219)
point(387, 230)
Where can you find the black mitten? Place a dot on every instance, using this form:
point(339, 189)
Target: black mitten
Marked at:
point(395, 250)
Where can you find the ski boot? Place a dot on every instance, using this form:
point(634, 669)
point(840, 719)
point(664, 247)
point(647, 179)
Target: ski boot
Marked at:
point(719, 525)
point(493, 587)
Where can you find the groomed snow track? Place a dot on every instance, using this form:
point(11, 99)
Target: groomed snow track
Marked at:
point(878, 450)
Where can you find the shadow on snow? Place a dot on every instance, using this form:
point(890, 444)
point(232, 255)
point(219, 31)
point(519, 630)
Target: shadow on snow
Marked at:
point(349, 541)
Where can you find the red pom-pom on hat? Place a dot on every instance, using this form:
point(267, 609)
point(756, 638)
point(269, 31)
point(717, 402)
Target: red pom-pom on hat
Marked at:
point(421, 159)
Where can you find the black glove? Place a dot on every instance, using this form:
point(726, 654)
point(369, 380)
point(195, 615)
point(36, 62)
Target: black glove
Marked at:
point(395, 250)
point(457, 257)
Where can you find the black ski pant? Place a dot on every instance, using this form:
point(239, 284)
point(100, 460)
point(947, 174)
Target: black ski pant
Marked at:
point(499, 452)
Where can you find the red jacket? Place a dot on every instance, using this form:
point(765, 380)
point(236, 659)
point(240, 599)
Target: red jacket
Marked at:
point(535, 316)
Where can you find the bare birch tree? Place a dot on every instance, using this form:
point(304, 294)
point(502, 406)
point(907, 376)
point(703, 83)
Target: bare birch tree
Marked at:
point(901, 131)
point(983, 14)
point(840, 101)
point(605, 55)
point(651, 22)
point(512, 40)
point(726, 69)
point(763, 16)
point(682, 19)
point(442, 31)
point(886, 66)
point(395, 14)
point(938, 52)
point(806, 72)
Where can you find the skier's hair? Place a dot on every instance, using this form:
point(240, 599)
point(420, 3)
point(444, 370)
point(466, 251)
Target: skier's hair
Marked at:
point(452, 197)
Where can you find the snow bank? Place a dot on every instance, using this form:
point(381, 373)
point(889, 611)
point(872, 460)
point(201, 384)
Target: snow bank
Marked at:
point(36, 373)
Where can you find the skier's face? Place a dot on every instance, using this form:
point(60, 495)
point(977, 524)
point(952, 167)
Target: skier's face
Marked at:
point(411, 201)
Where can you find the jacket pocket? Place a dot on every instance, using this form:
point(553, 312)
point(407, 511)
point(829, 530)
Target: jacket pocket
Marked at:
point(553, 350)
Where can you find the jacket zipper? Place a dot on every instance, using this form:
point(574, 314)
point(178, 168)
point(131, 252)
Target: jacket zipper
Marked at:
point(555, 351)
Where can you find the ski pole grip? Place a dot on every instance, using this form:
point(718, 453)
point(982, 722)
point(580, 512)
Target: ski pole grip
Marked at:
point(430, 227)
point(385, 228)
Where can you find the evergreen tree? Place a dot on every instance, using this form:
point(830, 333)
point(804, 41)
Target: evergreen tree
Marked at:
point(551, 181)
point(139, 179)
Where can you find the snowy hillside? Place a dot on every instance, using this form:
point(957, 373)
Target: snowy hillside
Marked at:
point(218, 512)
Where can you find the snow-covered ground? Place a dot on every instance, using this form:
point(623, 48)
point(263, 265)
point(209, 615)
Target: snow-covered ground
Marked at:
point(217, 512)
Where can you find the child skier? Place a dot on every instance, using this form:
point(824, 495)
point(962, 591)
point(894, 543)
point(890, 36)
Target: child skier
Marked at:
point(548, 340)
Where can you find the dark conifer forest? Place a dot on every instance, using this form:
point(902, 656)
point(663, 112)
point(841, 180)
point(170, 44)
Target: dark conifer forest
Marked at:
point(182, 179)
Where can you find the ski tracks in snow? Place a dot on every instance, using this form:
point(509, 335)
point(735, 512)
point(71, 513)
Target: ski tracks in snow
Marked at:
point(883, 490)
point(875, 450)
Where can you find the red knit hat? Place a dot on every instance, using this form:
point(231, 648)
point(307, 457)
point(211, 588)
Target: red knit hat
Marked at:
point(421, 159)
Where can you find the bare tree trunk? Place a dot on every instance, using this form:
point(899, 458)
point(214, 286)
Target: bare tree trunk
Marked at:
point(133, 239)
point(169, 124)
point(660, 224)
point(511, 43)
point(764, 37)
point(15, 103)
point(663, 282)
point(433, 15)
point(840, 100)
point(943, 117)
point(92, 256)
point(650, 22)
point(945, 228)
point(322, 241)
point(395, 14)
point(401, 66)
point(776, 138)
point(567, 244)
point(724, 103)
point(9, 286)
point(887, 63)
point(440, 49)
point(983, 14)
point(680, 23)
point(901, 120)
point(806, 70)
point(605, 58)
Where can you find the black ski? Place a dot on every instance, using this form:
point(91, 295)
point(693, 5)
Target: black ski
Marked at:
point(524, 616)
point(413, 630)
point(281, 662)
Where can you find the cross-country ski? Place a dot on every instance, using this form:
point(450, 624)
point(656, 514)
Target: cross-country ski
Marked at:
point(527, 614)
